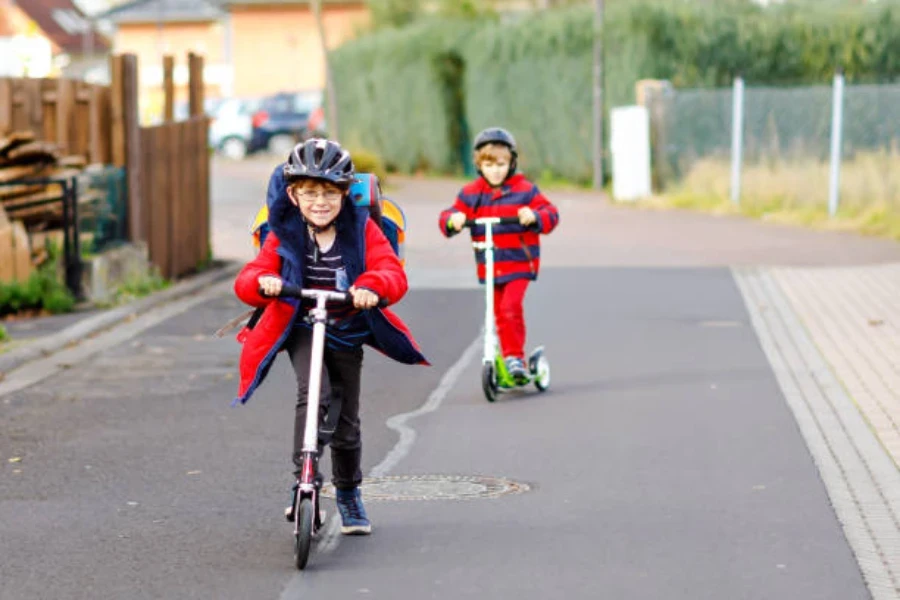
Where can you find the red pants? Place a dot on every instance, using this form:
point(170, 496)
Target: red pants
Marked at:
point(510, 317)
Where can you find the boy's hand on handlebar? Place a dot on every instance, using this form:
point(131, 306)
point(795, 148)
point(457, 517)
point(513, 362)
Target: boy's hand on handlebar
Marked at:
point(269, 285)
point(526, 216)
point(363, 298)
point(457, 221)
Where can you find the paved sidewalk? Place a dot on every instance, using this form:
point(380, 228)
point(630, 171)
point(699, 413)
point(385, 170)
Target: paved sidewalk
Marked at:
point(832, 338)
point(853, 316)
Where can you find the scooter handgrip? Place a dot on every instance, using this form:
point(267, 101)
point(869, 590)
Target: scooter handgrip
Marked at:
point(289, 290)
point(502, 221)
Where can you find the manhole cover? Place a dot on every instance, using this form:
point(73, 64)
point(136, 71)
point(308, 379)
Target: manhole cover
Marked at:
point(435, 487)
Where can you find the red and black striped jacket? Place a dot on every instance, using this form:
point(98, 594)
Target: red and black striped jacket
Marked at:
point(517, 253)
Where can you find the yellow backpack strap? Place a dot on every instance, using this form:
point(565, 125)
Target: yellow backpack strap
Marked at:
point(393, 212)
point(261, 218)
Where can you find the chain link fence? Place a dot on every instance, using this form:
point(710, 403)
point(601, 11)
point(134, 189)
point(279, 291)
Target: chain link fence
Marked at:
point(102, 211)
point(781, 156)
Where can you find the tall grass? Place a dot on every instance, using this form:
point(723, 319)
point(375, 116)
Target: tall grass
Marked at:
point(796, 192)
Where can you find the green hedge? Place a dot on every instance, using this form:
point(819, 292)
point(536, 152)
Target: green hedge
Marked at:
point(417, 95)
point(392, 97)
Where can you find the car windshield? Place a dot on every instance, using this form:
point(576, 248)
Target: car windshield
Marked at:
point(306, 102)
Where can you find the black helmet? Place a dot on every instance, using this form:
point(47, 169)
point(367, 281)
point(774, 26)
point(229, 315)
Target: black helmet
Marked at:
point(318, 158)
point(498, 135)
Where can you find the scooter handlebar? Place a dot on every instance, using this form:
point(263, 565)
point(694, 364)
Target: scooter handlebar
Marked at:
point(289, 290)
point(492, 220)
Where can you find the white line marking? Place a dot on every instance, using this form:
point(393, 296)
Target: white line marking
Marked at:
point(408, 434)
point(331, 536)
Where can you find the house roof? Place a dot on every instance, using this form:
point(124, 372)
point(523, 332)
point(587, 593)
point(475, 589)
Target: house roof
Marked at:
point(64, 24)
point(6, 28)
point(155, 11)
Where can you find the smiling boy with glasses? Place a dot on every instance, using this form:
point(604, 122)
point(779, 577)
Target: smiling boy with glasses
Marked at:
point(319, 239)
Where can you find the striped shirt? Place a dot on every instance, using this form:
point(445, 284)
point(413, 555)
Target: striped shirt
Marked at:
point(325, 271)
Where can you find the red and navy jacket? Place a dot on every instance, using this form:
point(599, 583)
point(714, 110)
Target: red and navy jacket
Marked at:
point(517, 253)
point(370, 263)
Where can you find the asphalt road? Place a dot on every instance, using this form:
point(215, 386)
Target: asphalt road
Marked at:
point(663, 462)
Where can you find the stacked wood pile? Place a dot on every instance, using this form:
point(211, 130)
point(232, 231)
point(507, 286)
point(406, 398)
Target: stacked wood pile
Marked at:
point(29, 211)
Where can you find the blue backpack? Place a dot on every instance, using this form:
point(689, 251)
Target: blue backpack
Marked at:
point(364, 191)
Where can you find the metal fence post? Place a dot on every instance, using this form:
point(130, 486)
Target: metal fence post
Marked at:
point(737, 138)
point(837, 123)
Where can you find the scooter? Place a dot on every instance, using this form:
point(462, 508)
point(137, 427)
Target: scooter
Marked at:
point(494, 376)
point(306, 516)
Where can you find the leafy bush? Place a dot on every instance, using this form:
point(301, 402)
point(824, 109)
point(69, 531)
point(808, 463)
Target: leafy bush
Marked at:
point(417, 95)
point(367, 161)
point(42, 290)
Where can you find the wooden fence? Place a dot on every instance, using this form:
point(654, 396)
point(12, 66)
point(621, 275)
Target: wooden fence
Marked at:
point(73, 114)
point(175, 192)
point(167, 166)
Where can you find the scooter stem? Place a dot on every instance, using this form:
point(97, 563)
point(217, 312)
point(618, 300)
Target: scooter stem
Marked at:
point(490, 349)
point(311, 431)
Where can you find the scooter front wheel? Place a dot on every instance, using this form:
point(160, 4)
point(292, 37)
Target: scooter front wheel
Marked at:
point(303, 535)
point(540, 369)
point(489, 381)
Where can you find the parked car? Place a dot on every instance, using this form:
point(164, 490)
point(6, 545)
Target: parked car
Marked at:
point(281, 120)
point(232, 127)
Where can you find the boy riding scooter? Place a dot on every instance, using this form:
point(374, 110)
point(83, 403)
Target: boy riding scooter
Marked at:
point(500, 192)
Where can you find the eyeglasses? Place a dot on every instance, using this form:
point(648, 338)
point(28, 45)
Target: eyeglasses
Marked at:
point(311, 196)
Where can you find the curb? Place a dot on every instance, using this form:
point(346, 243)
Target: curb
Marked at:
point(72, 335)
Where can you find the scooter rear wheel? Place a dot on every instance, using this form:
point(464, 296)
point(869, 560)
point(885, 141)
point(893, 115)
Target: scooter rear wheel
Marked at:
point(489, 381)
point(303, 537)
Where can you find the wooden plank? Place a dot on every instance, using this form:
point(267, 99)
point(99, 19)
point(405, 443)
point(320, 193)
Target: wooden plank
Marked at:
point(49, 115)
point(160, 148)
point(26, 105)
point(81, 120)
point(192, 233)
point(21, 252)
point(195, 84)
point(200, 198)
point(65, 116)
point(48, 193)
point(178, 197)
point(5, 106)
point(169, 88)
point(42, 151)
point(168, 202)
point(117, 111)
point(136, 219)
point(18, 172)
point(11, 191)
point(205, 199)
point(14, 139)
point(7, 271)
point(40, 239)
point(102, 120)
point(74, 162)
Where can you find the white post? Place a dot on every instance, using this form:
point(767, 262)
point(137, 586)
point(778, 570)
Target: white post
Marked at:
point(837, 124)
point(737, 138)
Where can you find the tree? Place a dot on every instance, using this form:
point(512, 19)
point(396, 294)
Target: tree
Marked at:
point(329, 77)
point(394, 13)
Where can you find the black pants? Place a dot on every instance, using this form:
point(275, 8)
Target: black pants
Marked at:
point(341, 374)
